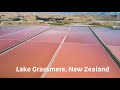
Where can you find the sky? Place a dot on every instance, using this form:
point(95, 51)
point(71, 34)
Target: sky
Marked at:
point(80, 12)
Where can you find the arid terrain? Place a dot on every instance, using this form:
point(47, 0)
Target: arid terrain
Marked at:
point(29, 18)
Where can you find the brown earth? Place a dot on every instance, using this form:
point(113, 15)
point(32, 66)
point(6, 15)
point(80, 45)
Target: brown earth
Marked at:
point(29, 18)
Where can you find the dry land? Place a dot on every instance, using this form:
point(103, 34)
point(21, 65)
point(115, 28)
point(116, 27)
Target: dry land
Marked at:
point(29, 18)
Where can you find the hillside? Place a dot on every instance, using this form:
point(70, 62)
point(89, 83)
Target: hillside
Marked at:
point(59, 18)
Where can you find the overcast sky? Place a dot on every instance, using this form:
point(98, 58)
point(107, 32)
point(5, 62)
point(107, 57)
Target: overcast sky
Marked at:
point(80, 12)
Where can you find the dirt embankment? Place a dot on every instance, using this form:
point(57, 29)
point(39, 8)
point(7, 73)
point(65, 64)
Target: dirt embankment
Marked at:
point(27, 18)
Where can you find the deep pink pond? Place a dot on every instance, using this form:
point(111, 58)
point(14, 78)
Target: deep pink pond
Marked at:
point(51, 36)
point(12, 39)
point(80, 48)
point(81, 35)
point(110, 37)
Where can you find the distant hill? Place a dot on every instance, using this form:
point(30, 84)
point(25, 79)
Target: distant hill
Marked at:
point(20, 18)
